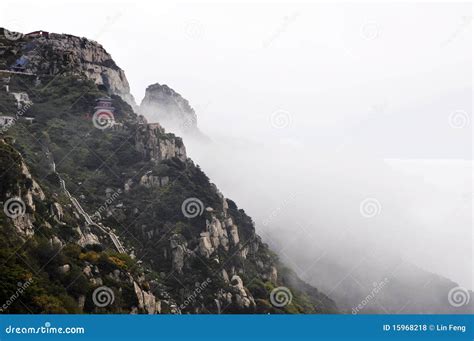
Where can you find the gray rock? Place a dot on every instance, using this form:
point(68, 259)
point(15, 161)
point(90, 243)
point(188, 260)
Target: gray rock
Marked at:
point(153, 144)
point(178, 252)
point(150, 181)
point(87, 271)
point(55, 241)
point(64, 268)
point(205, 246)
point(162, 104)
point(84, 56)
point(147, 301)
point(81, 301)
point(57, 211)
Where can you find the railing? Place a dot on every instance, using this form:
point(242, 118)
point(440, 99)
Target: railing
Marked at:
point(17, 73)
point(118, 245)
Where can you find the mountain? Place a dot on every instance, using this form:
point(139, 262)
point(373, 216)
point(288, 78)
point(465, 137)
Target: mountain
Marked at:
point(104, 212)
point(379, 283)
point(163, 104)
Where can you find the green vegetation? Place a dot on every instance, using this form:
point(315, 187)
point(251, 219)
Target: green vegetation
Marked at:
point(91, 161)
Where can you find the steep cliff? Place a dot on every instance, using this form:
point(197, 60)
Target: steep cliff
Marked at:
point(52, 54)
point(164, 105)
point(135, 217)
point(40, 236)
point(153, 143)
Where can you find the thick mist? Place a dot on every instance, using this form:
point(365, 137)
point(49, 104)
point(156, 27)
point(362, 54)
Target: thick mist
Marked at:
point(366, 161)
point(310, 205)
point(351, 147)
point(344, 130)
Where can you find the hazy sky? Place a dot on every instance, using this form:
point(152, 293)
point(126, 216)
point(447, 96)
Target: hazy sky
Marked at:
point(329, 66)
point(351, 100)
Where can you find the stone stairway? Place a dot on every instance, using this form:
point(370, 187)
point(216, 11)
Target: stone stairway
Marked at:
point(113, 237)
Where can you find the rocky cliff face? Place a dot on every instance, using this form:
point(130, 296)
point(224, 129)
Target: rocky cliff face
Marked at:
point(19, 196)
point(38, 216)
point(164, 105)
point(154, 144)
point(168, 242)
point(61, 53)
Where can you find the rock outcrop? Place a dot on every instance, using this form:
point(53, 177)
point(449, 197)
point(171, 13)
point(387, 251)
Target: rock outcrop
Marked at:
point(19, 200)
point(149, 180)
point(164, 105)
point(242, 296)
point(53, 54)
point(154, 144)
point(147, 301)
point(165, 250)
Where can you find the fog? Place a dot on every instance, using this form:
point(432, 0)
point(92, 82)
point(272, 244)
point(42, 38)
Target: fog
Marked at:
point(344, 130)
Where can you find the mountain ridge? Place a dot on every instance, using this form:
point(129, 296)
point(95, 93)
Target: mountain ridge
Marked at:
point(142, 178)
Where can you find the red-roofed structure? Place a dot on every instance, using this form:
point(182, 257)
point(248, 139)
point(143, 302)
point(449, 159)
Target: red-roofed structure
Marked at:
point(38, 34)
